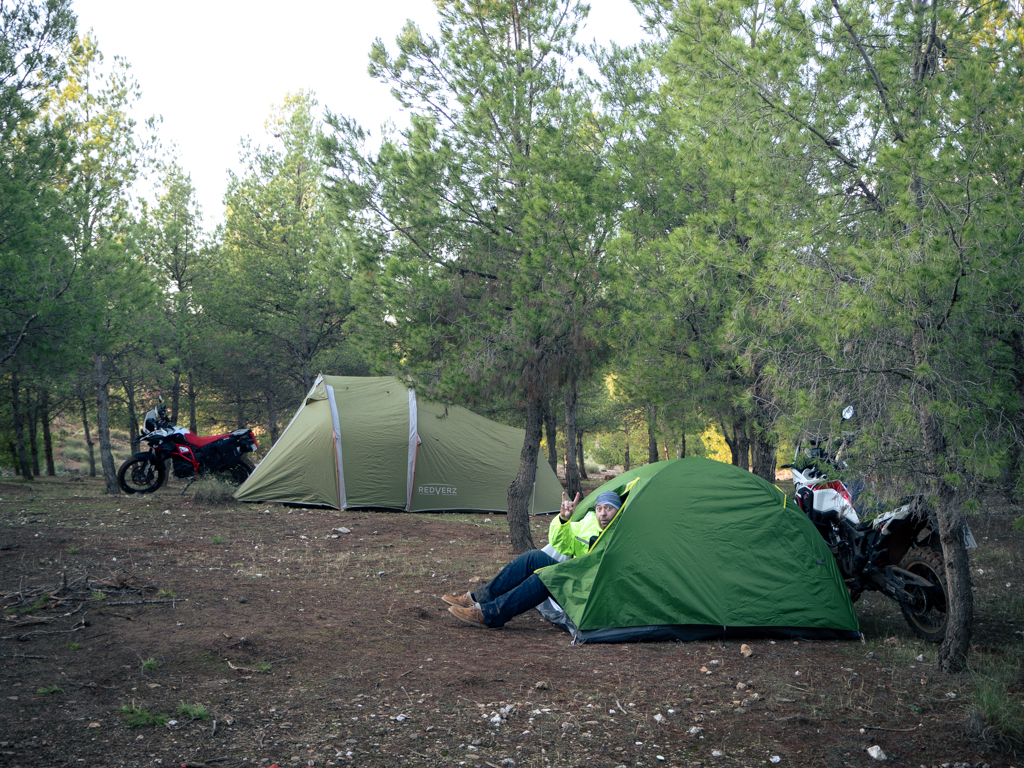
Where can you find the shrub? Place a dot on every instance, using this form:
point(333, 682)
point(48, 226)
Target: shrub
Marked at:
point(195, 711)
point(210, 490)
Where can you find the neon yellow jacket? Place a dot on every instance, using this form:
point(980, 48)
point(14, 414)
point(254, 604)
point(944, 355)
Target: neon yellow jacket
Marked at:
point(573, 538)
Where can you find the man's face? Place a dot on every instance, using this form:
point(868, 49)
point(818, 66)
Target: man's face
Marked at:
point(605, 513)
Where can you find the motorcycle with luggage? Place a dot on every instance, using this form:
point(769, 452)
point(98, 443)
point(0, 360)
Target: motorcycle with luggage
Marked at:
point(190, 456)
point(897, 553)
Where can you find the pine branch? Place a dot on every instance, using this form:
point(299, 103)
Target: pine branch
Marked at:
point(874, 73)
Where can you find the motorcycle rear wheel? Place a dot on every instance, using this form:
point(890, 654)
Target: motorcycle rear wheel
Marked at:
point(140, 475)
point(237, 474)
point(930, 621)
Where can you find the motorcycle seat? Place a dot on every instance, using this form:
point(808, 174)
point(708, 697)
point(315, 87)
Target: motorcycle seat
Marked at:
point(199, 442)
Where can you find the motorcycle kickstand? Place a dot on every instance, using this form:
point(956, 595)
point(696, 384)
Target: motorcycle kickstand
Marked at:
point(187, 486)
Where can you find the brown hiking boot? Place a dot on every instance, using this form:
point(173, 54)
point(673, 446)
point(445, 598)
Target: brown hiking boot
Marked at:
point(472, 615)
point(464, 600)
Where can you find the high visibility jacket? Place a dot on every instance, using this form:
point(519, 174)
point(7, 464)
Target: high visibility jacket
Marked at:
point(573, 538)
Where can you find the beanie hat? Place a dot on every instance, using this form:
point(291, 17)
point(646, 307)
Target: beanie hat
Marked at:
point(611, 498)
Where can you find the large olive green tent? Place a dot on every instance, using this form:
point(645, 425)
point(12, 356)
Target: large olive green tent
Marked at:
point(371, 442)
point(700, 550)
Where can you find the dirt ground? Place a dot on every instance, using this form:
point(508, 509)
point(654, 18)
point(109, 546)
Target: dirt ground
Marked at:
point(310, 646)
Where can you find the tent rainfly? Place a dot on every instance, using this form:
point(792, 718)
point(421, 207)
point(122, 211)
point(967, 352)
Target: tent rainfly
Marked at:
point(371, 442)
point(700, 550)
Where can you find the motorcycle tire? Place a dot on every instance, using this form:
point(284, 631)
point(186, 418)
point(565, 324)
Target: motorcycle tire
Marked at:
point(930, 622)
point(237, 474)
point(140, 475)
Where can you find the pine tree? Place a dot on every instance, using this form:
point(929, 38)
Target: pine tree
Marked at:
point(483, 269)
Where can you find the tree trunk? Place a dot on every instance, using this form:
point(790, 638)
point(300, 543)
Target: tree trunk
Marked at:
point(175, 394)
point(44, 416)
point(1012, 474)
point(240, 409)
point(625, 458)
point(572, 465)
point(551, 432)
point(85, 426)
point(740, 444)
point(681, 450)
point(19, 427)
point(133, 419)
point(103, 425)
point(731, 442)
point(272, 416)
point(960, 610)
point(745, 443)
point(579, 456)
point(520, 492)
point(652, 437)
point(191, 403)
point(764, 451)
point(32, 408)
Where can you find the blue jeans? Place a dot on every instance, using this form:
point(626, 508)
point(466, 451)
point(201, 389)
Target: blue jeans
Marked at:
point(516, 589)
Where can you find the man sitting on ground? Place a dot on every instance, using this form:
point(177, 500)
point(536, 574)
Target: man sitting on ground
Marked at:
point(517, 588)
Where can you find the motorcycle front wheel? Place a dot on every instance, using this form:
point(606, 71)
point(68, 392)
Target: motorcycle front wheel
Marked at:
point(141, 475)
point(929, 618)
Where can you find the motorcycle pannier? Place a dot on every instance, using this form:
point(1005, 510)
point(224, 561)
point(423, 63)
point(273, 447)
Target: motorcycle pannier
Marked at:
point(222, 454)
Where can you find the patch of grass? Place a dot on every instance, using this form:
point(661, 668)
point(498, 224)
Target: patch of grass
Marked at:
point(195, 711)
point(77, 453)
point(165, 593)
point(40, 603)
point(74, 646)
point(262, 666)
point(139, 717)
point(210, 490)
point(217, 540)
point(997, 704)
point(901, 648)
point(50, 689)
point(150, 664)
point(73, 550)
point(97, 595)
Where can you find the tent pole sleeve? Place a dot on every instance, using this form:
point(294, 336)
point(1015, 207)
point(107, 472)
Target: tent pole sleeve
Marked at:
point(337, 447)
point(413, 440)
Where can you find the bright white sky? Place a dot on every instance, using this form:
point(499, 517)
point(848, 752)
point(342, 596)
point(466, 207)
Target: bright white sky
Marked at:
point(214, 68)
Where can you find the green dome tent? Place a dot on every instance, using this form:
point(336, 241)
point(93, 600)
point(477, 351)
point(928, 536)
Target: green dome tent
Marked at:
point(371, 442)
point(700, 550)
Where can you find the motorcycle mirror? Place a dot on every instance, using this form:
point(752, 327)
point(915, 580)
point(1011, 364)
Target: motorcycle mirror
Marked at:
point(847, 413)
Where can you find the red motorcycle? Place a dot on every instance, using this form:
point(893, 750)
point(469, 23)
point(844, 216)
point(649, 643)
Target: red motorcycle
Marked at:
point(191, 456)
